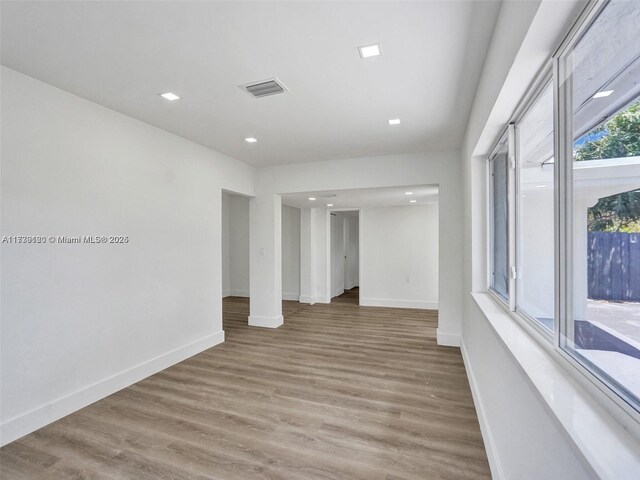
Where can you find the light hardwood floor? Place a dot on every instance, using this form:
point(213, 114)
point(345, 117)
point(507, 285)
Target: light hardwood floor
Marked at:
point(349, 296)
point(338, 392)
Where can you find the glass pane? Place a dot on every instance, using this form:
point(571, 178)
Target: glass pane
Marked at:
point(605, 331)
point(500, 230)
point(535, 286)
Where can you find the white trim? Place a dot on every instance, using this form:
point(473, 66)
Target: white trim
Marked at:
point(291, 296)
point(268, 322)
point(447, 339)
point(239, 293)
point(492, 455)
point(383, 302)
point(28, 422)
point(312, 300)
point(511, 215)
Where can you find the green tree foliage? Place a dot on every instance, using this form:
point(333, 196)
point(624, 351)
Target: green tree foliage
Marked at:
point(621, 212)
point(622, 138)
point(617, 213)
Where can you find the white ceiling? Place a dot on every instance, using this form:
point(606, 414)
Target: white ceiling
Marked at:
point(123, 54)
point(365, 197)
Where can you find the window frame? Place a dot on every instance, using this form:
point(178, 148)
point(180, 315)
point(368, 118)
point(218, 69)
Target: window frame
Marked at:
point(563, 146)
point(596, 384)
point(502, 138)
point(535, 92)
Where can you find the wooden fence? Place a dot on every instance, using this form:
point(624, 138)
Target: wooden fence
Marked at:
point(614, 266)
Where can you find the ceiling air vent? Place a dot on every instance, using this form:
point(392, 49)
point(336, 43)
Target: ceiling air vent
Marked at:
point(272, 86)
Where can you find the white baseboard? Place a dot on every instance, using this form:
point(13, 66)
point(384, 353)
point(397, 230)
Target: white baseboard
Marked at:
point(268, 322)
point(245, 293)
point(238, 293)
point(492, 456)
point(311, 300)
point(378, 302)
point(447, 339)
point(28, 422)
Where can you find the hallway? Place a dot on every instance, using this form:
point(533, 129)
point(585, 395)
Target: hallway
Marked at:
point(337, 392)
point(351, 297)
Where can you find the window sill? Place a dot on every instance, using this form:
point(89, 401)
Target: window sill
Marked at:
point(604, 443)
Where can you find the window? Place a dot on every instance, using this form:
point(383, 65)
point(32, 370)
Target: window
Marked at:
point(535, 220)
point(601, 328)
point(565, 202)
point(500, 219)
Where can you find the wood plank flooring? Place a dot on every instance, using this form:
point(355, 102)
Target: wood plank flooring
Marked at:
point(338, 392)
point(349, 296)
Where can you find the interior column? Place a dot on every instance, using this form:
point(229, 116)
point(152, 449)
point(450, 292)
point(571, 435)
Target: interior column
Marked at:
point(265, 258)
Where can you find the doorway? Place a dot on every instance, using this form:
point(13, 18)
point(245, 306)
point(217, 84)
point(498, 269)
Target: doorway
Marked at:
point(345, 256)
point(235, 258)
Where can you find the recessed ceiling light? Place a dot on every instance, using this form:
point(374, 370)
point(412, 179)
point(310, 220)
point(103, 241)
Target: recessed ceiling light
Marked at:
point(312, 198)
point(394, 121)
point(250, 140)
point(604, 93)
point(408, 193)
point(170, 96)
point(412, 201)
point(329, 204)
point(369, 51)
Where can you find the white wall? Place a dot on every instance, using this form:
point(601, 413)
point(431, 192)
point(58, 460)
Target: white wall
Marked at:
point(226, 245)
point(322, 279)
point(81, 321)
point(235, 245)
point(325, 239)
point(290, 253)
point(337, 254)
point(235, 248)
point(313, 255)
point(524, 437)
point(307, 254)
point(352, 243)
point(265, 256)
point(239, 245)
point(399, 256)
